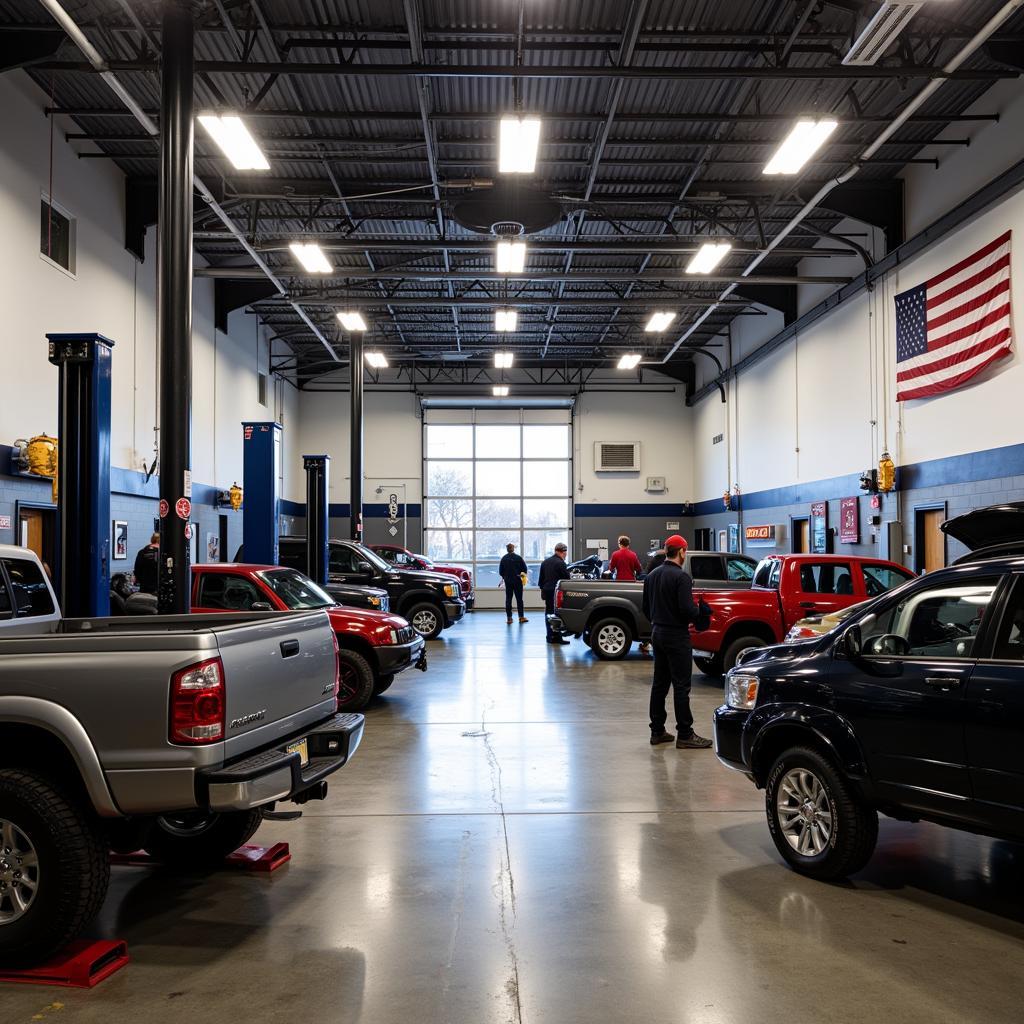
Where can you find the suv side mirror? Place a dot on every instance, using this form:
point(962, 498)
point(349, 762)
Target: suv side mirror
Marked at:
point(851, 644)
point(364, 568)
point(261, 606)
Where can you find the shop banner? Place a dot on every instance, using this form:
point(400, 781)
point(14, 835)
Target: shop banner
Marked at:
point(760, 536)
point(849, 520)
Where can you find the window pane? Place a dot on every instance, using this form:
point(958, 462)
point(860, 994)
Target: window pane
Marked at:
point(826, 578)
point(449, 545)
point(31, 596)
point(740, 569)
point(491, 543)
point(449, 442)
point(487, 575)
point(538, 544)
point(497, 442)
point(449, 512)
point(548, 442)
point(546, 478)
point(497, 478)
point(880, 578)
point(546, 512)
point(706, 567)
point(455, 478)
point(497, 513)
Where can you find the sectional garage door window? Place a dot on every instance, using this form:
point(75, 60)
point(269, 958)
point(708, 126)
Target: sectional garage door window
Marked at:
point(490, 484)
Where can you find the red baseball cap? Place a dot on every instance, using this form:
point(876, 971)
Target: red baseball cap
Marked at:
point(676, 541)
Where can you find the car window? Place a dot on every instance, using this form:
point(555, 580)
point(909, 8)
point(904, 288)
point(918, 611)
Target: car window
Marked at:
point(940, 622)
point(706, 567)
point(5, 599)
point(739, 569)
point(229, 592)
point(826, 578)
point(1009, 639)
point(31, 594)
point(342, 559)
point(763, 572)
point(776, 574)
point(296, 590)
point(880, 578)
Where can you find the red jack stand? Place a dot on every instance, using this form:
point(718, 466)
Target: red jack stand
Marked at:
point(262, 859)
point(81, 964)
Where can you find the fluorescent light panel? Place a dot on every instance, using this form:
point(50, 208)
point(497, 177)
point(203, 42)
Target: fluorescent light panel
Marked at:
point(518, 140)
point(659, 321)
point(806, 138)
point(500, 391)
point(708, 257)
point(376, 359)
point(352, 321)
point(230, 133)
point(505, 319)
point(510, 257)
point(312, 257)
point(629, 361)
point(503, 360)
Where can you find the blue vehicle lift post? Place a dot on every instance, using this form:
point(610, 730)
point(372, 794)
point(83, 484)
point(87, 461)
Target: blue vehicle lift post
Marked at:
point(261, 464)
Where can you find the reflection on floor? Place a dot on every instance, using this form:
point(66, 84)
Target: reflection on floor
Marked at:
point(507, 847)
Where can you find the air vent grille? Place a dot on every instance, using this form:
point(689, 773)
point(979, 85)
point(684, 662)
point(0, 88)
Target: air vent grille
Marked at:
point(617, 456)
point(879, 33)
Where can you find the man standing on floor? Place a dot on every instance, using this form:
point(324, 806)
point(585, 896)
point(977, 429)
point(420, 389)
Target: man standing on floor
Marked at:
point(512, 570)
point(624, 564)
point(147, 565)
point(670, 608)
point(552, 570)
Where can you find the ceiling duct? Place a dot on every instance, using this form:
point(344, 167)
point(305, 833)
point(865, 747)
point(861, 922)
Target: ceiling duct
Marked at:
point(506, 209)
point(879, 33)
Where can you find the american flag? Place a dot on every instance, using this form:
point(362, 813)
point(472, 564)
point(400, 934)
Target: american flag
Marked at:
point(954, 325)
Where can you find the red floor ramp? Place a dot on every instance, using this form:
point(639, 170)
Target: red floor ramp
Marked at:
point(81, 964)
point(262, 859)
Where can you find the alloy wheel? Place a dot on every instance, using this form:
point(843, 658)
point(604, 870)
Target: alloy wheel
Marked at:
point(804, 812)
point(424, 622)
point(19, 872)
point(611, 639)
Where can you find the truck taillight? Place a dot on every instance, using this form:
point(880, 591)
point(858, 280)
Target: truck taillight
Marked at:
point(337, 668)
point(197, 703)
point(559, 598)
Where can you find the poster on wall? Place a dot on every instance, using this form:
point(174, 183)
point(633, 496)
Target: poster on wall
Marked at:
point(119, 540)
point(734, 538)
point(849, 520)
point(819, 528)
point(212, 547)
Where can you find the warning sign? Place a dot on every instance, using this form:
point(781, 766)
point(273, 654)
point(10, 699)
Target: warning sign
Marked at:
point(188, 531)
point(183, 508)
point(164, 508)
point(5, 522)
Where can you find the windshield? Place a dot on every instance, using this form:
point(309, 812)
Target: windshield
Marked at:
point(296, 590)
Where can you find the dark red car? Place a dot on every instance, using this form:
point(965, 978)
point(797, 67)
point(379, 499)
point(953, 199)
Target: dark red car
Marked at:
point(373, 646)
point(401, 558)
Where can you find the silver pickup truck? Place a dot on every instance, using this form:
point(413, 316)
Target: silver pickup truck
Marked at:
point(173, 734)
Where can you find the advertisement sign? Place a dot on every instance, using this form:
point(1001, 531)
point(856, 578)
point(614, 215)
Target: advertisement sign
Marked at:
point(849, 520)
point(760, 536)
point(819, 528)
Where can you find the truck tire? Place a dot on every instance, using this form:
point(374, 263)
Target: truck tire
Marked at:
point(817, 824)
point(426, 618)
point(357, 682)
point(611, 639)
point(383, 682)
point(54, 868)
point(709, 666)
point(730, 655)
point(188, 840)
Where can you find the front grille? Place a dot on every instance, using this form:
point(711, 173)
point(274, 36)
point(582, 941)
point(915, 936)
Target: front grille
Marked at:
point(406, 634)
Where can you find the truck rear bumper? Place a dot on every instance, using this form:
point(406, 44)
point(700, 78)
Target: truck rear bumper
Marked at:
point(279, 774)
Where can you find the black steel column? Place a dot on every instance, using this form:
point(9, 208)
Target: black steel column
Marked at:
point(317, 468)
point(175, 305)
point(355, 348)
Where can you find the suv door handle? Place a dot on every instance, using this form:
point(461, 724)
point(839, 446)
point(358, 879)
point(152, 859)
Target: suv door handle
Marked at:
point(289, 648)
point(943, 682)
point(808, 604)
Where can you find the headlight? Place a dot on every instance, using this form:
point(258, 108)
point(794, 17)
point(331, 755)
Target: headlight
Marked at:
point(741, 691)
point(449, 589)
point(394, 637)
point(800, 633)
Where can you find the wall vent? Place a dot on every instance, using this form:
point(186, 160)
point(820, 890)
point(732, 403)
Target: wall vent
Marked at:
point(890, 20)
point(617, 456)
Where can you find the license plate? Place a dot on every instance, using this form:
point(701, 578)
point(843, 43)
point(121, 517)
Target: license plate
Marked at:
point(300, 747)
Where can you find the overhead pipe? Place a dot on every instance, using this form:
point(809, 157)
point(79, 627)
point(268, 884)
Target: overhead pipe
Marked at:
point(915, 104)
point(96, 60)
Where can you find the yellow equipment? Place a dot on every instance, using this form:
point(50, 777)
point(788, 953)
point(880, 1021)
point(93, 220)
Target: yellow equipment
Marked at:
point(38, 456)
point(235, 497)
point(886, 473)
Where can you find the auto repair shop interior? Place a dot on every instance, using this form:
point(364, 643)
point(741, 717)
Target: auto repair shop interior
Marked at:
point(316, 312)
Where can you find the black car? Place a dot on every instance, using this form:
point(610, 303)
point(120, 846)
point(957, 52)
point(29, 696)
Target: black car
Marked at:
point(913, 707)
point(352, 596)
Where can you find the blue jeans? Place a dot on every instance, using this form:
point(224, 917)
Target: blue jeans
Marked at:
point(673, 667)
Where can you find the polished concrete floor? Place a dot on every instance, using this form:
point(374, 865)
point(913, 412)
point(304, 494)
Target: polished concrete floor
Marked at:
point(507, 848)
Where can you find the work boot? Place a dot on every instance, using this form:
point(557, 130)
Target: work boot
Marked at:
point(522, 619)
point(510, 621)
point(558, 640)
point(663, 737)
point(692, 742)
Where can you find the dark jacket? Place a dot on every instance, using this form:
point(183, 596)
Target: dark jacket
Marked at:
point(658, 558)
point(511, 567)
point(668, 600)
point(552, 569)
point(147, 569)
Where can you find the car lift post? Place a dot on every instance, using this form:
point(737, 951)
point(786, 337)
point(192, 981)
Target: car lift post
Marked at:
point(355, 348)
point(83, 472)
point(261, 464)
point(317, 469)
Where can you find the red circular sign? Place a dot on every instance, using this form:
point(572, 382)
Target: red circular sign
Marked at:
point(183, 508)
point(164, 508)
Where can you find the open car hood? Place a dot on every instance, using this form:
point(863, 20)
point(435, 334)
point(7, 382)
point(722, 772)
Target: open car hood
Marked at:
point(988, 527)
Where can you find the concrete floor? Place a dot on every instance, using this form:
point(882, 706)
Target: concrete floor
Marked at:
point(507, 847)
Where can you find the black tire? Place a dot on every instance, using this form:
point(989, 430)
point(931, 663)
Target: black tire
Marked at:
point(426, 618)
point(852, 828)
point(73, 867)
point(709, 666)
point(735, 648)
point(611, 639)
point(357, 682)
point(188, 840)
point(383, 683)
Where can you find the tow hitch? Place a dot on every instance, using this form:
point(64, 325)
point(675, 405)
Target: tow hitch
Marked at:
point(421, 664)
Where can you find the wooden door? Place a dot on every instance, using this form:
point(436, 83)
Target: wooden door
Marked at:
point(932, 541)
point(30, 530)
point(802, 536)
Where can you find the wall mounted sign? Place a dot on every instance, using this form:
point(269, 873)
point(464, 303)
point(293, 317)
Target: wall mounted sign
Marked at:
point(672, 527)
point(734, 538)
point(5, 522)
point(760, 536)
point(819, 528)
point(849, 520)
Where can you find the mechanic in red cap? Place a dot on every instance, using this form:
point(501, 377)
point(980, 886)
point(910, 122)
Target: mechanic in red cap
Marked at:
point(670, 608)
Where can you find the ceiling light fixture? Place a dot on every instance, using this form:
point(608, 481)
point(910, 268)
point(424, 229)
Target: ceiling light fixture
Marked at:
point(230, 133)
point(806, 138)
point(352, 321)
point(659, 321)
point(880, 32)
point(505, 319)
point(503, 360)
point(312, 257)
point(510, 257)
point(519, 139)
point(629, 361)
point(500, 390)
point(708, 257)
point(377, 360)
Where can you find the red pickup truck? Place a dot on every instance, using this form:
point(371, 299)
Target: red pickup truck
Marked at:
point(373, 646)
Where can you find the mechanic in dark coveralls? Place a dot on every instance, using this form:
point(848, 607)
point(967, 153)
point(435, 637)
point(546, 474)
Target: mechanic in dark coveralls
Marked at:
point(670, 608)
point(512, 569)
point(552, 569)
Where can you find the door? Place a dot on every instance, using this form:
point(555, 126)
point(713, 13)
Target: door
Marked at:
point(37, 531)
point(228, 592)
point(930, 540)
point(905, 697)
point(801, 536)
point(818, 587)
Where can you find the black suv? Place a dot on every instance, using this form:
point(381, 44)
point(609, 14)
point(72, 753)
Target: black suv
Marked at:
point(912, 707)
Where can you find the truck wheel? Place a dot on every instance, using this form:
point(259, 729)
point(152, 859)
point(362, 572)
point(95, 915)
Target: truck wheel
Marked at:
point(195, 839)
point(54, 868)
point(610, 639)
point(816, 821)
point(356, 675)
point(383, 682)
point(739, 646)
point(427, 619)
point(709, 666)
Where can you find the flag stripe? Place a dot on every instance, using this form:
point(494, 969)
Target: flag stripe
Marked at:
point(950, 383)
point(1003, 263)
point(969, 261)
point(933, 356)
point(971, 329)
point(971, 306)
point(958, 357)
